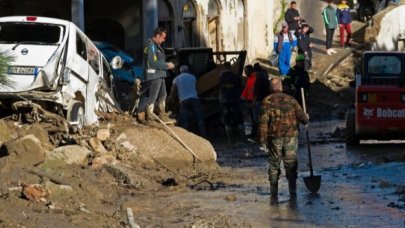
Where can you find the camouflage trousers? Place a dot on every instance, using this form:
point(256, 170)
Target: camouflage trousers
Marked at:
point(283, 149)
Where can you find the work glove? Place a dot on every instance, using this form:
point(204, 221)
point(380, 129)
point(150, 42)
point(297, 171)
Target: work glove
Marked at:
point(264, 148)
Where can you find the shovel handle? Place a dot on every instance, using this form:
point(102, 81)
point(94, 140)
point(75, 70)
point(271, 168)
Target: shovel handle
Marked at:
point(304, 106)
point(307, 133)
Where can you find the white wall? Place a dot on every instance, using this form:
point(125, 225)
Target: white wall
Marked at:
point(260, 17)
point(392, 24)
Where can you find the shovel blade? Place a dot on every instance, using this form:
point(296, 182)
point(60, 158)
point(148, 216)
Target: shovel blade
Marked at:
point(313, 183)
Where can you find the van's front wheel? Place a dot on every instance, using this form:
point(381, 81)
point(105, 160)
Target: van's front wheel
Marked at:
point(75, 115)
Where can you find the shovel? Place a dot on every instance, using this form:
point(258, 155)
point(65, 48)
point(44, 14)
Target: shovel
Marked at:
point(313, 183)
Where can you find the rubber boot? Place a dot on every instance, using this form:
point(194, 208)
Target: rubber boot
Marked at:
point(141, 117)
point(149, 113)
point(163, 115)
point(292, 187)
point(273, 193)
point(229, 133)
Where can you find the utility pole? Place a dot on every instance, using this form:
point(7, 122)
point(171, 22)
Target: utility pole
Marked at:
point(150, 18)
point(78, 13)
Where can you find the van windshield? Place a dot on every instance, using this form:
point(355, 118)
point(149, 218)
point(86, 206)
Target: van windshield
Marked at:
point(37, 33)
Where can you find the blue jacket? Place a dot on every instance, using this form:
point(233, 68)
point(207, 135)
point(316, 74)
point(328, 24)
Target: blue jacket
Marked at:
point(343, 14)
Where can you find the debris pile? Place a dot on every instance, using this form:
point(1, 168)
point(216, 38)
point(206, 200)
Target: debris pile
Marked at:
point(83, 176)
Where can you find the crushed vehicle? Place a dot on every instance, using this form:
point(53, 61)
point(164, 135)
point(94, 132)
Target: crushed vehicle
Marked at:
point(125, 76)
point(379, 108)
point(55, 67)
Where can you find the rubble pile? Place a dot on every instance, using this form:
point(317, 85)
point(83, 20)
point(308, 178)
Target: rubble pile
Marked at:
point(85, 176)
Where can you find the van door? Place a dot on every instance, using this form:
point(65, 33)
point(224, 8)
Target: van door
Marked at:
point(94, 74)
point(77, 60)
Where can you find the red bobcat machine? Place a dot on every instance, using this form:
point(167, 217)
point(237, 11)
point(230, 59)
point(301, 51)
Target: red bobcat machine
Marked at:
point(379, 109)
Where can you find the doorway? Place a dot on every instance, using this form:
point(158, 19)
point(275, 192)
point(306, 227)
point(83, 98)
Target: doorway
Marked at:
point(166, 21)
point(190, 24)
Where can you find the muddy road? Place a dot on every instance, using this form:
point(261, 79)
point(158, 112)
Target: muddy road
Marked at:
point(361, 187)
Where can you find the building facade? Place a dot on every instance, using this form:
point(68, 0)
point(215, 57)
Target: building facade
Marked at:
point(224, 25)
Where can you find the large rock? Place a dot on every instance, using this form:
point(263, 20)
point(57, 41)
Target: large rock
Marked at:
point(97, 146)
point(156, 144)
point(5, 133)
point(103, 135)
point(28, 150)
point(40, 133)
point(72, 154)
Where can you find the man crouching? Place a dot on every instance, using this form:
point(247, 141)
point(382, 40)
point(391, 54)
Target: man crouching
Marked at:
point(279, 118)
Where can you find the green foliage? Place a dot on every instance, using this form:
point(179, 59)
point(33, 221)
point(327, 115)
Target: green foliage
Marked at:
point(281, 17)
point(5, 60)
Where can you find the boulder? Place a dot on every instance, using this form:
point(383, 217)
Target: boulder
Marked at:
point(5, 133)
point(105, 159)
point(72, 154)
point(40, 133)
point(28, 150)
point(103, 135)
point(97, 146)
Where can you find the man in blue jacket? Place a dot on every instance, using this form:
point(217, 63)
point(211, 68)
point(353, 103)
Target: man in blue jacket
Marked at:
point(345, 23)
point(284, 42)
point(155, 71)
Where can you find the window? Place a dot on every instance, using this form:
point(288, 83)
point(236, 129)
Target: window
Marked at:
point(384, 65)
point(93, 57)
point(81, 46)
point(35, 33)
point(107, 73)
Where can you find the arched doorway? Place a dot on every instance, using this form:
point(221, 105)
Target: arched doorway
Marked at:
point(166, 21)
point(190, 24)
point(106, 30)
point(213, 25)
point(241, 20)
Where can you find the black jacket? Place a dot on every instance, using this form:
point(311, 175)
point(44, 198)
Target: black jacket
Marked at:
point(303, 40)
point(262, 86)
point(230, 87)
point(293, 25)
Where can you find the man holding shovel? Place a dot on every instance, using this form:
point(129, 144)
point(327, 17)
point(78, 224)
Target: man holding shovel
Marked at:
point(279, 118)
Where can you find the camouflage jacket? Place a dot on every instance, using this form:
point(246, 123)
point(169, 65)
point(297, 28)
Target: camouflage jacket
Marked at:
point(279, 116)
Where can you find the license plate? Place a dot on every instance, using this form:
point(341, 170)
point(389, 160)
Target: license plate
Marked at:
point(22, 70)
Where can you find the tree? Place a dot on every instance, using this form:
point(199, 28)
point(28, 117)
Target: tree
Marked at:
point(5, 60)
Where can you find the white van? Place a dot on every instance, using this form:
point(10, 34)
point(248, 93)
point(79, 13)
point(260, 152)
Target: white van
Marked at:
point(56, 66)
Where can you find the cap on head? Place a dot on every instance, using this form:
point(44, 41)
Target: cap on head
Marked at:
point(300, 57)
point(184, 69)
point(284, 25)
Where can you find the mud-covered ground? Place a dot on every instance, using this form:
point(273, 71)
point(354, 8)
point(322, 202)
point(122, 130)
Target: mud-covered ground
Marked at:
point(362, 186)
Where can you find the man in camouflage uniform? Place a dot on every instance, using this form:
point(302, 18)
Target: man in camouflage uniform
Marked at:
point(279, 117)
